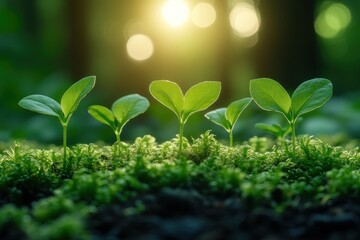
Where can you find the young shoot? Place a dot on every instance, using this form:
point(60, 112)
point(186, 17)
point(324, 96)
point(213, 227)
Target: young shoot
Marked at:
point(198, 98)
point(122, 110)
point(308, 96)
point(63, 110)
point(278, 131)
point(227, 117)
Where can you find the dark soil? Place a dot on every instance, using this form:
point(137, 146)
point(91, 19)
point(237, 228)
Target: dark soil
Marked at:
point(187, 214)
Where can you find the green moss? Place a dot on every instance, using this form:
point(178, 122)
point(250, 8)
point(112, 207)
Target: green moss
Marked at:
point(55, 198)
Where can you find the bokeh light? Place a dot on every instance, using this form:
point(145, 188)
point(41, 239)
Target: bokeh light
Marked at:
point(334, 18)
point(244, 19)
point(140, 47)
point(175, 12)
point(203, 15)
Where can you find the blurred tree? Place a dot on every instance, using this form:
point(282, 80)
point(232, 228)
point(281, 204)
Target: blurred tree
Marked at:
point(45, 44)
point(339, 58)
point(287, 49)
point(77, 20)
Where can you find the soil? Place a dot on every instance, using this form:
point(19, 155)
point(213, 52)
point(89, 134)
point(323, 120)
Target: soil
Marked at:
point(187, 214)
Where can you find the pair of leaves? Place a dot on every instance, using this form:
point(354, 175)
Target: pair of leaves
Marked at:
point(227, 117)
point(69, 101)
point(199, 97)
point(121, 112)
point(308, 96)
point(275, 129)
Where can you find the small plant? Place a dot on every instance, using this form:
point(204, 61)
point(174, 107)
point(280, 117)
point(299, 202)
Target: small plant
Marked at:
point(275, 129)
point(227, 117)
point(308, 96)
point(121, 112)
point(68, 105)
point(199, 97)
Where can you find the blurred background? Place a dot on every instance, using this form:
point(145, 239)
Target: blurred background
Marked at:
point(45, 46)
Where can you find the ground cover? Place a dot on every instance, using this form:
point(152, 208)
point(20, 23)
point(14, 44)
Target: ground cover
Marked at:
point(146, 190)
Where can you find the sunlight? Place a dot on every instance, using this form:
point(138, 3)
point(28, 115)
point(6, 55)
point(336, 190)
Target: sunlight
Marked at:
point(244, 19)
point(203, 15)
point(332, 20)
point(140, 47)
point(175, 12)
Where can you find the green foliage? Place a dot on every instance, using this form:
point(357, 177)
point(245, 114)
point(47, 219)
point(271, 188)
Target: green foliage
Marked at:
point(343, 182)
point(227, 117)
point(52, 208)
point(203, 148)
point(308, 96)
point(169, 94)
point(27, 175)
point(76, 92)
point(275, 129)
point(122, 110)
point(12, 221)
point(69, 103)
point(61, 199)
point(42, 104)
point(198, 98)
point(270, 95)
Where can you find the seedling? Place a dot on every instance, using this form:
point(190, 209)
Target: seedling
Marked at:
point(121, 112)
point(198, 98)
point(227, 117)
point(275, 129)
point(308, 96)
point(68, 105)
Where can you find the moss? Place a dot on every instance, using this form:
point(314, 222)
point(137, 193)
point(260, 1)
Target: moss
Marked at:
point(56, 196)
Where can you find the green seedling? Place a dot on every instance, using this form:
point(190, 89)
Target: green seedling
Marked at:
point(308, 96)
point(68, 105)
point(121, 112)
point(227, 117)
point(198, 98)
point(278, 131)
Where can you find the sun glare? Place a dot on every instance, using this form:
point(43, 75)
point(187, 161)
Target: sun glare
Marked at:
point(203, 15)
point(140, 47)
point(175, 12)
point(244, 19)
point(332, 20)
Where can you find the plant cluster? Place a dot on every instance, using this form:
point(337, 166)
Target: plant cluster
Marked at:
point(267, 94)
point(294, 188)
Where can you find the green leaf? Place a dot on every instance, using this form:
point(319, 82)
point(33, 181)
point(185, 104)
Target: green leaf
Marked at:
point(103, 115)
point(128, 107)
point(270, 95)
point(271, 128)
point(218, 117)
point(235, 109)
point(199, 97)
point(42, 104)
point(310, 95)
point(72, 97)
point(169, 94)
point(274, 129)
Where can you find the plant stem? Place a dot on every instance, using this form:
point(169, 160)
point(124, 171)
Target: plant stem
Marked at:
point(64, 139)
point(292, 125)
point(181, 137)
point(231, 138)
point(117, 133)
point(117, 146)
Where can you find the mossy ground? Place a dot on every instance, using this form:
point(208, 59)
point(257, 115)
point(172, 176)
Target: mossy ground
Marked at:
point(144, 190)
